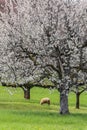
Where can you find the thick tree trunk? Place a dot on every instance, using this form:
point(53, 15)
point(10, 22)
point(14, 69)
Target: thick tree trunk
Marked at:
point(64, 104)
point(77, 100)
point(27, 93)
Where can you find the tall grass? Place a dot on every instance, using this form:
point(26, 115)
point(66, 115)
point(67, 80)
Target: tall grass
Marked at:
point(16, 113)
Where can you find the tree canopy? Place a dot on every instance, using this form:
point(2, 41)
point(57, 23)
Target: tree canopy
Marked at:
point(45, 39)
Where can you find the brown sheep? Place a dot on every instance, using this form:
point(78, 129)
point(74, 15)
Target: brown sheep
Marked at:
point(45, 100)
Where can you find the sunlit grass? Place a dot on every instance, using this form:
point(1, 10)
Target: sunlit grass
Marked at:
point(17, 113)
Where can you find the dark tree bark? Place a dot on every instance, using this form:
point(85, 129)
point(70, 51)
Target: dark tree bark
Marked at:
point(77, 100)
point(27, 93)
point(64, 104)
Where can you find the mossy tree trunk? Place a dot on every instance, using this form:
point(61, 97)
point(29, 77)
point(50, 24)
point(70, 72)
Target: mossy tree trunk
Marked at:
point(64, 103)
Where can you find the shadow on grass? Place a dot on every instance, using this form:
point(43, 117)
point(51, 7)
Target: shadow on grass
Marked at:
point(50, 114)
point(40, 111)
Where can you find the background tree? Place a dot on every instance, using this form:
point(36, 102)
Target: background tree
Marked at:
point(79, 61)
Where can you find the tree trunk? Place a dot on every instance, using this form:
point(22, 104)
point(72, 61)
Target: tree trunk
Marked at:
point(77, 100)
point(27, 93)
point(64, 104)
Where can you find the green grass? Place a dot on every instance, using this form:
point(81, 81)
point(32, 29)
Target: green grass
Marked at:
point(17, 113)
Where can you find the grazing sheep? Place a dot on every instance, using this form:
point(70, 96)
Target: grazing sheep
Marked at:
point(45, 100)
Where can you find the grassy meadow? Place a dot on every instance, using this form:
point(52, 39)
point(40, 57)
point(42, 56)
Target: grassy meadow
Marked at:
point(17, 113)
